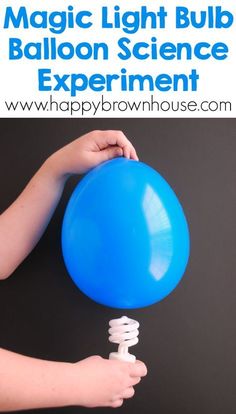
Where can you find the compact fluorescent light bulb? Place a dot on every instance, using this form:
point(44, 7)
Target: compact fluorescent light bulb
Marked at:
point(123, 331)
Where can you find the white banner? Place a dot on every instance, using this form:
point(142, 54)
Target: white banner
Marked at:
point(116, 58)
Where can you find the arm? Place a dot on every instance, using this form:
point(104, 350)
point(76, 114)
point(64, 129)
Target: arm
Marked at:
point(32, 383)
point(24, 222)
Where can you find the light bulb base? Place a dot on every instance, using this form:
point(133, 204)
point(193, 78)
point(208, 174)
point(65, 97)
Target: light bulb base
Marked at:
point(126, 357)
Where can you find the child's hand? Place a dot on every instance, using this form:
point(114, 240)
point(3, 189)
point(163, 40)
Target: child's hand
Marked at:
point(27, 383)
point(90, 150)
point(24, 222)
point(100, 382)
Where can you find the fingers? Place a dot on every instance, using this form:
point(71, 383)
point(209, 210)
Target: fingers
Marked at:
point(116, 138)
point(135, 380)
point(117, 403)
point(110, 153)
point(128, 393)
point(130, 153)
point(138, 369)
point(134, 155)
point(135, 371)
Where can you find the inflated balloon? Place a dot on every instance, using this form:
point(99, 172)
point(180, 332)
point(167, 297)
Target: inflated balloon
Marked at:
point(125, 238)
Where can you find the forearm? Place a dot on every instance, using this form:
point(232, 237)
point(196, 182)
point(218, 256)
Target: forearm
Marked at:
point(32, 383)
point(24, 222)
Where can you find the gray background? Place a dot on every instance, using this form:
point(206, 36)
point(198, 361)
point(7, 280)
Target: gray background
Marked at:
point(188, 340)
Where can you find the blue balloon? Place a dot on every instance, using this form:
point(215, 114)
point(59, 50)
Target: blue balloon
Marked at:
point(125, 238)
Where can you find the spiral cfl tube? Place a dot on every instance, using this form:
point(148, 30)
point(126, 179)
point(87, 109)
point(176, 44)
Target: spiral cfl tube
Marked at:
point(123, 331)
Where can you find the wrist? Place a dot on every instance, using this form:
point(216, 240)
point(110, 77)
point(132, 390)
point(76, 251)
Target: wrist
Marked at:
point(72, 385)
point(60, 385)
point(53, 169)
point(67, 389)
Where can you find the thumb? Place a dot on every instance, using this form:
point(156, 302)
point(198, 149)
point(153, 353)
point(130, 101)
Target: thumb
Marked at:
point(110, 153)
